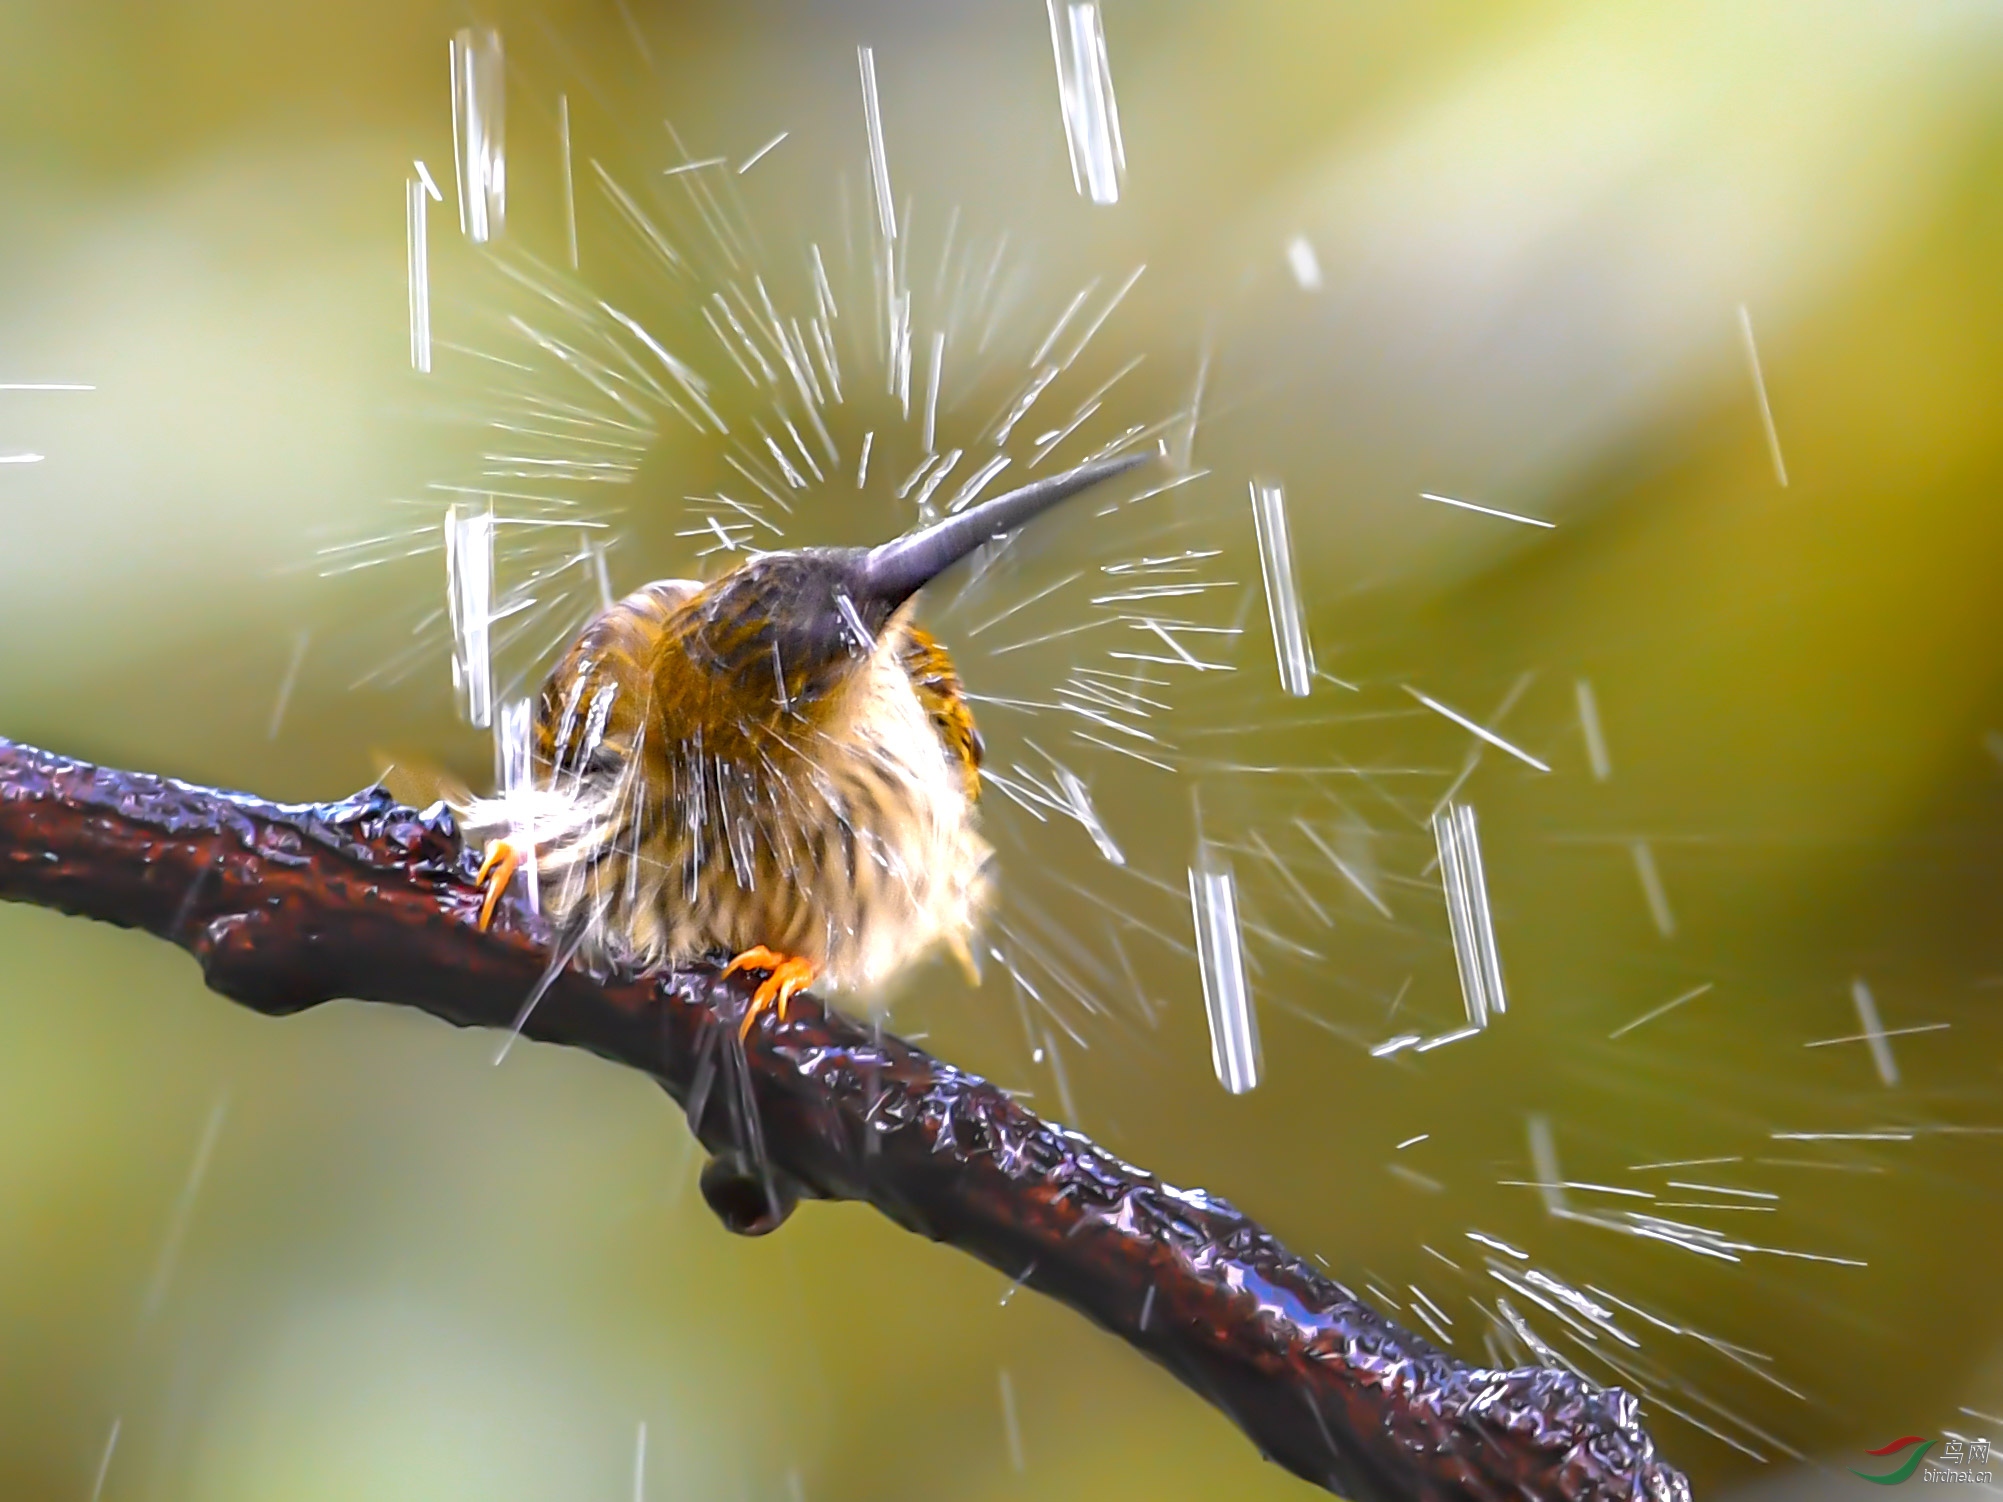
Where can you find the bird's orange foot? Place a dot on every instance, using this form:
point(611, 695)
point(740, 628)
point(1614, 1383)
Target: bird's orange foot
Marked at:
point(784, 974)
point(498, 865)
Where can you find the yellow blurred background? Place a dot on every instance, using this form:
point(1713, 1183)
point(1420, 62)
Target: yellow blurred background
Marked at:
point(343, 1255)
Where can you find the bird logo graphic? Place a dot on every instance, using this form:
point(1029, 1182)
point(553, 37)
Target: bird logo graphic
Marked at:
point(1904, 1471)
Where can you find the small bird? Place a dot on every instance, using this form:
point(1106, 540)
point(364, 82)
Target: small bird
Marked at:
point(778, 767)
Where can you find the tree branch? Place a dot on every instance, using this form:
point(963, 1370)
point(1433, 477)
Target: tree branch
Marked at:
point(287, 906)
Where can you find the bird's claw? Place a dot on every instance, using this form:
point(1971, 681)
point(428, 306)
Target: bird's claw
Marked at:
point(784, 974)
point(500, 861)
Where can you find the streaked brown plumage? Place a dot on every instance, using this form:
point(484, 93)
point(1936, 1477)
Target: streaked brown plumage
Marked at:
point(779, 766)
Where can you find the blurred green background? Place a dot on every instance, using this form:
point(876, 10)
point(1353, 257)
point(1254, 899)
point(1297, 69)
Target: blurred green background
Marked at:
point(342, 1255)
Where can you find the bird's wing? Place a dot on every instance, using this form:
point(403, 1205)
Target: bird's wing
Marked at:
point(937, 684)
point(596, 699)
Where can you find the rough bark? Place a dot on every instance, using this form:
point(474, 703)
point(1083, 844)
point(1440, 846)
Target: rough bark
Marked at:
point(288, 906)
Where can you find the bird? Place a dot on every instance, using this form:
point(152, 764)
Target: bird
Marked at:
point(777, 770)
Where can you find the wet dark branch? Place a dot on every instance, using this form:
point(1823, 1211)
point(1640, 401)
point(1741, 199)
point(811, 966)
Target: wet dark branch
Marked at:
point(288, 906)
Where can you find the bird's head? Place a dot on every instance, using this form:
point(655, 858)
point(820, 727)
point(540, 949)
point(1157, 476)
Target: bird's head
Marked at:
point(787, 629)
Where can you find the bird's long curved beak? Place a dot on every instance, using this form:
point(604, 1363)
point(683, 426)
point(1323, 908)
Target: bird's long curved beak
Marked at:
point(896, 571)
